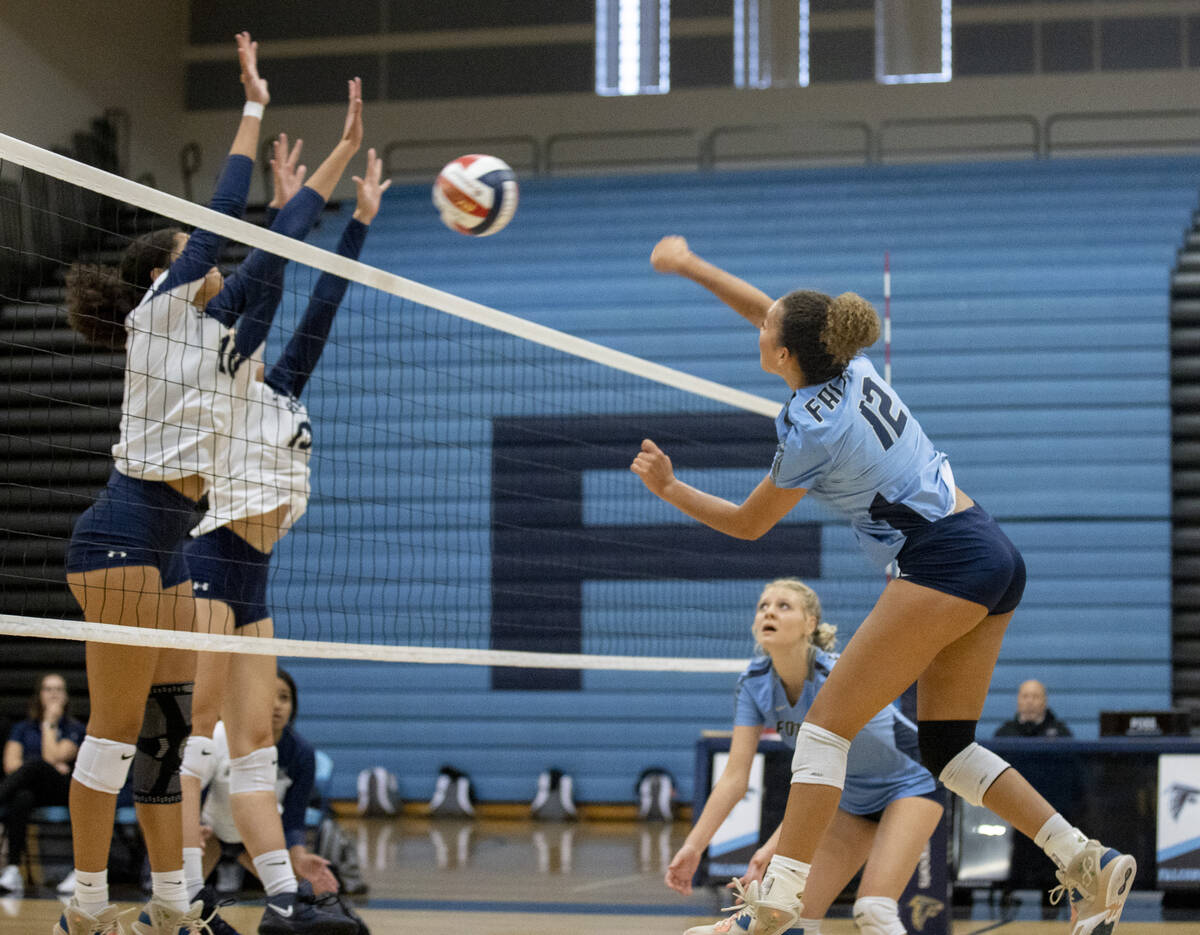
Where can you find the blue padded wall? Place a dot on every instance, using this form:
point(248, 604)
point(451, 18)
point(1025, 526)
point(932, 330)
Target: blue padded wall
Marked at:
point(1030, 340)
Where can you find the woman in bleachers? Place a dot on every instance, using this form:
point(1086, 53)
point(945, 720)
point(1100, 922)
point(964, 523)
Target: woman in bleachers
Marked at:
point(846, 436)
point(37, 768)
point(888, 809)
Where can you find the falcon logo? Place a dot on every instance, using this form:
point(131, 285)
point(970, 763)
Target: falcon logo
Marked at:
point(1181, 795)
point(924, 908)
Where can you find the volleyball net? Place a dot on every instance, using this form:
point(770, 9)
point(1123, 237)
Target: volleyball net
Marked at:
point(470, 494)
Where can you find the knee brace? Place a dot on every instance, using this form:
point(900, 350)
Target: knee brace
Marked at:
point(103, 764)
point(949, 751)
point(254, 772)
point(166, 724)
point(877, 915)
point(972, 772)
point(942, 741)
point(820, 757)
point(199, 759)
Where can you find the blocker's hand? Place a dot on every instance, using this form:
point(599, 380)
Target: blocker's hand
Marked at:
point(670, 254)
point(654, 468)
point(256, 87)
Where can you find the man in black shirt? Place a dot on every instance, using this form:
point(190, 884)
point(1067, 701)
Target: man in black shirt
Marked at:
point(1034, 718)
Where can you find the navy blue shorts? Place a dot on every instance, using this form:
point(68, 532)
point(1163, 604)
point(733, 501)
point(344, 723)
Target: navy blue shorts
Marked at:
point(134, 522)
point(966, 554)
point(225, 567)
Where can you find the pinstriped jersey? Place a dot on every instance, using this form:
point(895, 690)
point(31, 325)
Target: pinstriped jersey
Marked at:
point(852, 444)
point(173, 386)
point(264, 462)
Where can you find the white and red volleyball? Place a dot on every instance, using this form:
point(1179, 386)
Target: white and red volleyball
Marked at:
point(476, 195)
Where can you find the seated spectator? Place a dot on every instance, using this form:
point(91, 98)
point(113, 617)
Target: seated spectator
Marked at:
point(293, 787)
point(37, 768)
point(1034, 718)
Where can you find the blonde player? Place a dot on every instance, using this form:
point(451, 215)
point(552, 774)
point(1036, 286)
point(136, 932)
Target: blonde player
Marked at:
point(887, 811)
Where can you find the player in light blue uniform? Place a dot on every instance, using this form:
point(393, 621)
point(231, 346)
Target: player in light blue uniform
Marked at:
point(898, 482)
point(882, 765)
point(885, 816)
point(846, 437)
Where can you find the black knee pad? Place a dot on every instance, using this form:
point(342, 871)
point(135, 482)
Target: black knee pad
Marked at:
point(166, 724)
point(942, 741)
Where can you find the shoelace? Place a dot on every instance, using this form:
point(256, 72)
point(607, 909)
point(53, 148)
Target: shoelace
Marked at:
point(1087, 877)
point(206, 920)
point(747, 896)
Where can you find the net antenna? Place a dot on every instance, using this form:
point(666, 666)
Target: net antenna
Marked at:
point(893, 569)
point(385, 570)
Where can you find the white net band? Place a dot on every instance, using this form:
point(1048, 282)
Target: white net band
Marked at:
point(13, 625)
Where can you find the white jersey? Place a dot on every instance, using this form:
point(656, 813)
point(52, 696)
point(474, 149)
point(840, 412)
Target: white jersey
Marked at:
point(263, 462)
point(171, 407)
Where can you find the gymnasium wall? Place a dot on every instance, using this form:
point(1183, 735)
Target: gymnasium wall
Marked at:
point(174, 73)
point(432, 73)
point(1030, 316)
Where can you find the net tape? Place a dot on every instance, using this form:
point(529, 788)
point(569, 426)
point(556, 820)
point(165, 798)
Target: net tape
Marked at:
point(14, 625)
point(71, 171)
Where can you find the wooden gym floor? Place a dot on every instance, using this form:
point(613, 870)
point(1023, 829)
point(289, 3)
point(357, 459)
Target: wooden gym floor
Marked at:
point(517, 877)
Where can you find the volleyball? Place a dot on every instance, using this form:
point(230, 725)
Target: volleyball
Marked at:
point(476, 195)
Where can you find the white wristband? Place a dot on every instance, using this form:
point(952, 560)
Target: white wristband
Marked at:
point(253, 109)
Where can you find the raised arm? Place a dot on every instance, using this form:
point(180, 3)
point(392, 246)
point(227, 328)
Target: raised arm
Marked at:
point(672, 255)
point(233, 186)
point(329, 172)
point(751, 519)
point(295, 219)
point(291, 372)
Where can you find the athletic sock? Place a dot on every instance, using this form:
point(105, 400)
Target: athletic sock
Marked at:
point(170, 888)
point(193, 870)
point(91, 890)
point(1060, 840)
point(275, 871)
point(787, 874)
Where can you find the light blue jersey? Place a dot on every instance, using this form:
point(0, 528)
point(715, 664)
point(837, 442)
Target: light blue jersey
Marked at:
point(881, 766)
point(852, 444)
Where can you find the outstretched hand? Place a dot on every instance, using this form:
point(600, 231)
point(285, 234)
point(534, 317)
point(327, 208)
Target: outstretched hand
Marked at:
point(256, 87)
point(287, 177)
point(670, 254)
point(315, 870)
point(653, 467)
point(352, 132)
point(682, 869)
point(370, 189)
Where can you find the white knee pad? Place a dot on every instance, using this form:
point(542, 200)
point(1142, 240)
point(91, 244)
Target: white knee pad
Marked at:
point(877, 915)
point(971, 773)
point(820, 757)
point(254, 772)
point(199, 759)
point(102, 764)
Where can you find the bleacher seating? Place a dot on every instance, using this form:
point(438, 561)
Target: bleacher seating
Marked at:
point(1030, 309)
